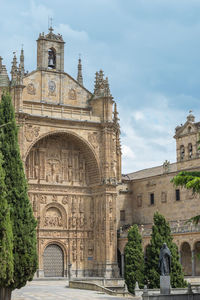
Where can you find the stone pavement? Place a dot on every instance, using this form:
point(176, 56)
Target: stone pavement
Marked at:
point(57, 290)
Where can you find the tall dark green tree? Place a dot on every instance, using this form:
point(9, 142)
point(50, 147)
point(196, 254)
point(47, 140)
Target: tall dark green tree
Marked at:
point(134, 260)
point(21, 214)
point(161, 233)
point(6, 236)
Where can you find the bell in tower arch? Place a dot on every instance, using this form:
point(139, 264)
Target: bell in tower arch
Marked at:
point(52, 58)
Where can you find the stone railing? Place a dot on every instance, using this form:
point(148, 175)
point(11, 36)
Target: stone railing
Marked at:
point(59, 111)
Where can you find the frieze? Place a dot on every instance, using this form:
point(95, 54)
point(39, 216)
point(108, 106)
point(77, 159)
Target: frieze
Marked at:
point(31, 132)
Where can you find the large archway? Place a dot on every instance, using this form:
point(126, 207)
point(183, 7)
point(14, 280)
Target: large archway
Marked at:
point(186, 259)
point(53, 261)
point(62, 158)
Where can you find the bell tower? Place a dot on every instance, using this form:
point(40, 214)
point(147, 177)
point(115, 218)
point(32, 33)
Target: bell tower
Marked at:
point(50, 52)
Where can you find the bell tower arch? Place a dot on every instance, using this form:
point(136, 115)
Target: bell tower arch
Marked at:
point(50, 52)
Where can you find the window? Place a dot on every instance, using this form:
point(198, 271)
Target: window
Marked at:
point(122, 215)
point(177, 195)
point(182, 152)
point(152, 199)
point(190, 150)
point(52, 58)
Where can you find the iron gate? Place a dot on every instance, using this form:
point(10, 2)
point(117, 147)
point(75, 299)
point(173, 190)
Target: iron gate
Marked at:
point(53, 261)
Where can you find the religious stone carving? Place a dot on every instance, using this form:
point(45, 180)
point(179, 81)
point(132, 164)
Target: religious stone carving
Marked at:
point(31, 89)
point(57, 160)
point(72, 94)
point(43, 199)
point(54, 198)
point(81, 250)
point(65, 200)
point(31, 132)
point(74, 250)
point(53, 218)
point(52, 88)
point(94, 138)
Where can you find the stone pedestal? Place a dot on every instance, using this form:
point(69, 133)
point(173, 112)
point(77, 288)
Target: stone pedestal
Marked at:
point(164, 285)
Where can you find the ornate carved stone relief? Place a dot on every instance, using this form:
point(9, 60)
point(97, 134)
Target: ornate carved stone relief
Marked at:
point(56, 160)
point(31, 89)
point(94, 139)
point(72, 94)
point(53, 218)
point(31, 132)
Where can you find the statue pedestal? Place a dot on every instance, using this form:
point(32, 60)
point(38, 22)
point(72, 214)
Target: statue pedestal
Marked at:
point(164, 285)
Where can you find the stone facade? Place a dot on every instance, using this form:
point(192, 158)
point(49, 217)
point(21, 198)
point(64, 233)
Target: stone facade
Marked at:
point(70, 145)
point(144, 192)
point(69, 141)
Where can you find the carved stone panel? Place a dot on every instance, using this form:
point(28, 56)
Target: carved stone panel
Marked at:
point(53, 218)
point(56, 160)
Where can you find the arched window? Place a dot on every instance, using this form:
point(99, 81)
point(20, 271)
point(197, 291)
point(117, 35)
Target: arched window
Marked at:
point(190, 150)
point(52, 58)
point(189, 129)
point(182, 152)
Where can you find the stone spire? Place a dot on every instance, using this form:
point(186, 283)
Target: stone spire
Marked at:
point(115, 114)
point(101, 87)
point(79, 75)
point(4, 79)
point(21, 66)
point(14, 69)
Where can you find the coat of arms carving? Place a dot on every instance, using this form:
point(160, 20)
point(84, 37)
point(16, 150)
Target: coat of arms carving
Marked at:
point(31, 132)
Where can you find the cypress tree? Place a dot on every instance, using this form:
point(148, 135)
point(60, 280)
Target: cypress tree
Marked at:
point(21, 214)
point(134, 260)
point(6, 236)
point(161, 233)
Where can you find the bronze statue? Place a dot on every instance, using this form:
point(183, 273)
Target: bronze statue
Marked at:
point(165, 260)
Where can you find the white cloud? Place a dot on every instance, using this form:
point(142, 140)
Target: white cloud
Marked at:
point(68, 32)
point(127, 152)
point(138, 115)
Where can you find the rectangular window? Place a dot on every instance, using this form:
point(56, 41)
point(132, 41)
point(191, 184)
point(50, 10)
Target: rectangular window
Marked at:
point(152, 199)
point(177, 195)
point(122, 215)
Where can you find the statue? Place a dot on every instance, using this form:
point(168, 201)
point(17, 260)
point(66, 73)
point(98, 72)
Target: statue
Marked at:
point(165, 260)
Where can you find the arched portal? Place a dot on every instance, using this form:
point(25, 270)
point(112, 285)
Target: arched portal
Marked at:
point(186, 259)
point(53, 261)
point(62, 158)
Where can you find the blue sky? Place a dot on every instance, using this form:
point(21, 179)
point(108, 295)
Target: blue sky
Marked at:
point(149, 49)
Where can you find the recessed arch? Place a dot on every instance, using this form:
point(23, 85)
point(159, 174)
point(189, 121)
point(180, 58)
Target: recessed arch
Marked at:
point(86, 149)
point(186, 258)
point(57, 213)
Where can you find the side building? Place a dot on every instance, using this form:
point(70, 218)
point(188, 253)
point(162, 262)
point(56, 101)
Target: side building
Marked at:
point(144, 192)
point(70, 146)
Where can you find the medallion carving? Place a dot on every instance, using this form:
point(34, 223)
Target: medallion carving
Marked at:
point(31, 90)
point(31, 132)
point(72, 94)
point(52, 88)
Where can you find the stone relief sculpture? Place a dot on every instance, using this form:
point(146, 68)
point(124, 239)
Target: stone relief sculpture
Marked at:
point(72, 94)
point(31, 132)
point(53, 160)
point(31, 89)
point(53, 218)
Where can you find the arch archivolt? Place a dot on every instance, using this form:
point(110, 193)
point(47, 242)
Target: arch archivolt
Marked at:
point(84, 158)
point(54, 216)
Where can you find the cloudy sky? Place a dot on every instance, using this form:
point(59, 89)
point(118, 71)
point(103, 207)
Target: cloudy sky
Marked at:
point(149, 49)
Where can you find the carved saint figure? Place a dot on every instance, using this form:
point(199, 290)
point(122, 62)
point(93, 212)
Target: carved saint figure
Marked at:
point(165, 260)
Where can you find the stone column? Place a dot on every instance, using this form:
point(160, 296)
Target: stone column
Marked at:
point(122, 264)
point(193, 263)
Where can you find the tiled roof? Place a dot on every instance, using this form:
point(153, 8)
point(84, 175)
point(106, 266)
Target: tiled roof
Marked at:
point(150, 172)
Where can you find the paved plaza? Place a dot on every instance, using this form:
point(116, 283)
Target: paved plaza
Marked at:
point(58, 290)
